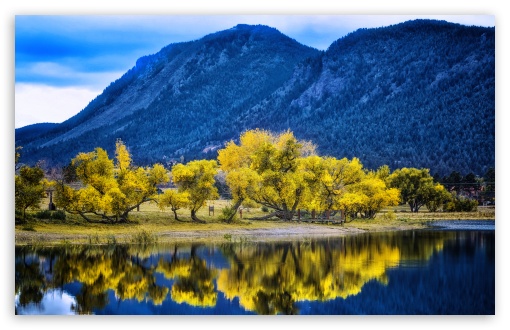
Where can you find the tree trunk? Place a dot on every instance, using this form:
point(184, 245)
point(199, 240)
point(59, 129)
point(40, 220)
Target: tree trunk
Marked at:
point(234, 210)
point(194, 217)
point(175, 214)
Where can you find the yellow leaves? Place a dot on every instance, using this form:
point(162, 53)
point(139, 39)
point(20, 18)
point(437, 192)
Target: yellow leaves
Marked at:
point(47, 184)
point(66, 197)
point(122, 155)
point(194, 298)
point(157, 174)
point(114, 201)
point(88, 199)
point(266, 168)
point(112, 189)
point(196, 178)
point(393, 196)
point(353, 202)
point(252, 140)
point(242, 182)
point(306, 272)
point(327, 179)
point(174, 199)
point(90, 166)
point(232, 157)
point(369, 196)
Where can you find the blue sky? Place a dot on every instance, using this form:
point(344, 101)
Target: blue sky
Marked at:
point(63, 61)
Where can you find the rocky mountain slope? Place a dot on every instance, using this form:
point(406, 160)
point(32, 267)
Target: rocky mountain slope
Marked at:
point(420, 94)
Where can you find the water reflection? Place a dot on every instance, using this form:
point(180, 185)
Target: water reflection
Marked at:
point(298, 277)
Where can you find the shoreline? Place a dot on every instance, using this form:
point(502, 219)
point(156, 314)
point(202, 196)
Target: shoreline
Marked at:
point(237, 233)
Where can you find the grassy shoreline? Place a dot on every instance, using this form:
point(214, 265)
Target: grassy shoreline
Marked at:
point(150, 223)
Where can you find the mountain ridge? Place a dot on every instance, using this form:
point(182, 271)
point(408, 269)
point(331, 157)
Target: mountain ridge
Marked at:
point(369, 95)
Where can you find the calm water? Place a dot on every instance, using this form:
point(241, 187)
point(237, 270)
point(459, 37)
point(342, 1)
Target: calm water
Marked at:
point(412, 272)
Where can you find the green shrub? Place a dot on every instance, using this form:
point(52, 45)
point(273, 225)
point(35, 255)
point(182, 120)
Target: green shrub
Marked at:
point(28, 227)
point(461, 204)
point(18, 216)
point(226, 212)
point(264, 209)
point(51, 215)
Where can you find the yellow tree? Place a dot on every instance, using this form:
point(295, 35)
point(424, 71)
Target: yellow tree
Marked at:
point(235, 160)
point(111, 188)
point(282, 184)
point(242, 182)
point(29, 188)
point(173, 199)
point(196, 179)
point(369, 196)
point(328, 179)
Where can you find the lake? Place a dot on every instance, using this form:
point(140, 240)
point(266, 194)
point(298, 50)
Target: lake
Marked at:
point(448, 269)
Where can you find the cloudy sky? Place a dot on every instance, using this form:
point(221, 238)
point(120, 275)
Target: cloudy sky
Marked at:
point(63, 61)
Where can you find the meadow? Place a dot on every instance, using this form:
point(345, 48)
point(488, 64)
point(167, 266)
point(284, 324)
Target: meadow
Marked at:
point(150, 224)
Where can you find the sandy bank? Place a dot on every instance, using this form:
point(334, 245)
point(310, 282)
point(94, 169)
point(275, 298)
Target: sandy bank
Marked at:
point(220, 235)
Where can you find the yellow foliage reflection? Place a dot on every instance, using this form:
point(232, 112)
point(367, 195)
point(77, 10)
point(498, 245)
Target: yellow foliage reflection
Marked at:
point(99, 272)
point(266, 278)
point(194, 282)
point(270, 279)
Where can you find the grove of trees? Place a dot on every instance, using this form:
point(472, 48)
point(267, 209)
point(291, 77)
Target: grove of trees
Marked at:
point(109, 188)
point(275, 171)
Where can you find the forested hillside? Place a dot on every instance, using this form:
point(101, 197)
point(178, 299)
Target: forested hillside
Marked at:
point(420, 94)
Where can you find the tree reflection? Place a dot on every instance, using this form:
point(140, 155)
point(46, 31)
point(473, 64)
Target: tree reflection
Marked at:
point(266, 278)
point(30, 283)
point(194, 281)
point(271, 278)
point(98, 270)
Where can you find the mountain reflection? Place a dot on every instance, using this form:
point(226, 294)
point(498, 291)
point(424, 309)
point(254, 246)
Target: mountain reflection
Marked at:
point(263, 278)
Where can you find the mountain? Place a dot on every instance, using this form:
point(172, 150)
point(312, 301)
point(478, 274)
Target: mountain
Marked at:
point(417, 94)
point(32, 132)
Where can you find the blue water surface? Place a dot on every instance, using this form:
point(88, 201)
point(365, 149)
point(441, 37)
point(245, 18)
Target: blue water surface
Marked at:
point(446, 270)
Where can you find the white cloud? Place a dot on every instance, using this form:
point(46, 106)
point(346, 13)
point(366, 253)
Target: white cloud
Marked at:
point(65, 74)
point(40, 103)
point(54, 302)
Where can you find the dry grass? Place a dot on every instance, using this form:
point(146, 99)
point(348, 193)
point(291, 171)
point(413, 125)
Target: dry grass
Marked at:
point(150, 221)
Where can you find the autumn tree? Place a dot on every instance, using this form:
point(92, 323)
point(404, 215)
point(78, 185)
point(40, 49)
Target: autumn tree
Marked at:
point(235, 161)
point(175, 200)
point(416, 186)
point(278, 163)
point(29, 189)
point(17, 156)
point(328, 179)
point(111, 188)
point(263, 167)
point(279, 172)
point(438, 199)
point(369, 196)
point(196, 179)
